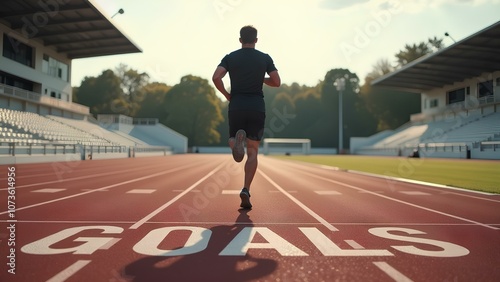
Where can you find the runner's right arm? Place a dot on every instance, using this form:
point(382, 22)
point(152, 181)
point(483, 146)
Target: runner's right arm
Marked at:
point(273, 80)
point(219, 73)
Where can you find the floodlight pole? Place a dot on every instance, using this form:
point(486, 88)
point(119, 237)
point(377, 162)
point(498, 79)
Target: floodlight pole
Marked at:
point(121, 11)
point(340, 85)
point(447, 34)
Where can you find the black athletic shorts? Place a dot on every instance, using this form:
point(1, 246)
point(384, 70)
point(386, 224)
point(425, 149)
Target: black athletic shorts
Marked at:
point(250, 121)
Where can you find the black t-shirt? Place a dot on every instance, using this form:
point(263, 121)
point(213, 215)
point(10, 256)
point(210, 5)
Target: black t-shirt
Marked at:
point(247, 68)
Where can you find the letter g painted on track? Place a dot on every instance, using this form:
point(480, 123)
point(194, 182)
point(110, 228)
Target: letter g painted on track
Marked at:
point(90, 245)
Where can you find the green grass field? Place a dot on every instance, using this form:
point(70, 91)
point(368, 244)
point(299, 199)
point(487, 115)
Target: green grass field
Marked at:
point(470, 174)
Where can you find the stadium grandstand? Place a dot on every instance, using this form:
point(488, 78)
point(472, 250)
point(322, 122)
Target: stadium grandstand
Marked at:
point(38, 119)
point(460, 101)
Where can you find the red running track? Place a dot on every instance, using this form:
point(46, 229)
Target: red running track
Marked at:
point(177, 218)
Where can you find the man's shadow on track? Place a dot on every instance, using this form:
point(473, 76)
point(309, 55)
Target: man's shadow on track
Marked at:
point(206, 265)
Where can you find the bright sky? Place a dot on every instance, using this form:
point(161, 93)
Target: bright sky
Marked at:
point(306, 38)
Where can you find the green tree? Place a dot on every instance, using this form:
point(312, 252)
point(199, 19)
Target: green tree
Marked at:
point(223, 127)
point(132, 83)
point(152, 99)
point(380, 68)
point(411, 53)
point(415, 51)
point(101, 94)
point(391, 108)
point(356, 119)
point(436, 43)
point(192, 109)
point(74, 97)
point(283, 109)
point(308, 109)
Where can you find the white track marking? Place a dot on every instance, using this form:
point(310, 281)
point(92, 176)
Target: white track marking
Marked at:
point(158, 210)
point(109, 244)
point(465, 193)
point(378, 192)
point(231, 192)
point(414, 193)
point(180, 191)
point(327, 192)
point(329, 167)
point(354, 244)
point(93, 189)
point(238, 223)
point(68, 272)
point(48, 190)
point(300, 204)
point(473, 197)
point(141, 191)
point(99, 189)
point(391, 271)
point(73, 221)
point(439, 186)
point(72, 179)
point(400, 201)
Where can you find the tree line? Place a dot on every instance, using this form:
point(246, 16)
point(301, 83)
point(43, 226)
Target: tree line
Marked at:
point(192, 108)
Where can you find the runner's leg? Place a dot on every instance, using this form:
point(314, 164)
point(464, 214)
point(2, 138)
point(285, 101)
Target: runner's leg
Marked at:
point(251, 163)
point(233, 127)
point(254, 135)
point(237, 135)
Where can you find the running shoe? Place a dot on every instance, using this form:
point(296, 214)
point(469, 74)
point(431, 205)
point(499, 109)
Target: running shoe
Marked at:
point(245, 199)
point(239, 145)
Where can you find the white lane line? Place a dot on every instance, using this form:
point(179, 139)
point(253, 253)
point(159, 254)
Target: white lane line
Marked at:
point(391, 271)
point(128, 222)
point(465, 193)
point(329, 167)
point(231, 192)
point(74, 221)
point(68, 272)
point(158, 210)
point(93, 189)
point(300, 204)
point(414, 193)
point(99, 189)
point(72, 179)
point(400, 201)
point(48, 190)
point(141, 191)
point(327, 193)
point(180, 191)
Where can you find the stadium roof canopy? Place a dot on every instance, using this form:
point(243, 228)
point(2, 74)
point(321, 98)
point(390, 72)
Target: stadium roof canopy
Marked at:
point(74, 27)
point(470, 57)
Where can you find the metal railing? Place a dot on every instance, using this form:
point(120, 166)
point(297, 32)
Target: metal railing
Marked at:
point(444, 147)
point(18, 148)
point(470, 104)
point(86, 151)
point(40, 99)
point(22, 148)
point(145, 121)
point(104, 149)
point(487, 146)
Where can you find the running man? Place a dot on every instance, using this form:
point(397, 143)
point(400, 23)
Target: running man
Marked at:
point(247, 69)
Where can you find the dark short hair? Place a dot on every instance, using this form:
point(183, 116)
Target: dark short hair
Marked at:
point(248, 34)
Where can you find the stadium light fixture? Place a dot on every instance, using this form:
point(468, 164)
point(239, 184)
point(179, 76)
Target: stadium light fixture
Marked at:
point(340, 85)
point(447, 34)
point(121, 11)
